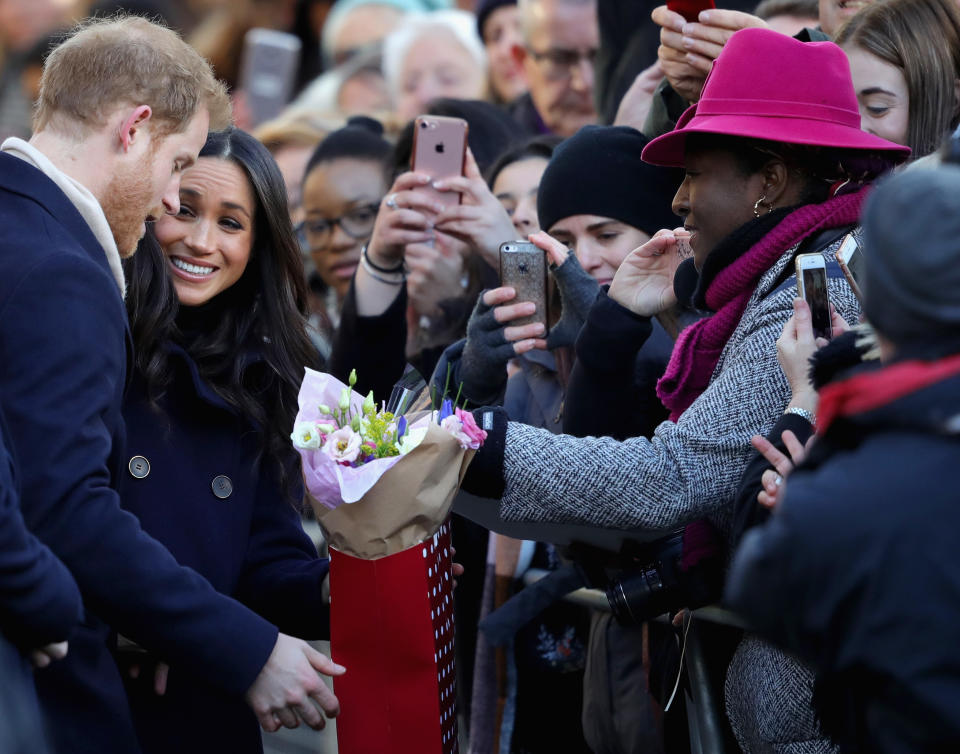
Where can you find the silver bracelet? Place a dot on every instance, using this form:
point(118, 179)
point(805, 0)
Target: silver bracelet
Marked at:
point(802, 412)
point(376, 276)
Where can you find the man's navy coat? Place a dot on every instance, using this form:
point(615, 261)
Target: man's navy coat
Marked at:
point(64, 357)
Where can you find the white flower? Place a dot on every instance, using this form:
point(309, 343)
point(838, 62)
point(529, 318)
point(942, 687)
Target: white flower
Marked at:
point(342, 446)
point(454, 426)
point(411, 439)
point(306, 436)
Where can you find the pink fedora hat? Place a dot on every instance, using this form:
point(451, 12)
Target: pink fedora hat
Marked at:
point(766, 85)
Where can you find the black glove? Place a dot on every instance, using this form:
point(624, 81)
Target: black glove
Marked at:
point(483, 364)
point(578, 291)
point(484, 477)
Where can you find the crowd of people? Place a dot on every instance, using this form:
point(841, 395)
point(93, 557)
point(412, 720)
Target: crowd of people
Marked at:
point(170, 263)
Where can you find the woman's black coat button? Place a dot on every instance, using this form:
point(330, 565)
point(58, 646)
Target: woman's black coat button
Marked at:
point(139, 467)
point(222, 486)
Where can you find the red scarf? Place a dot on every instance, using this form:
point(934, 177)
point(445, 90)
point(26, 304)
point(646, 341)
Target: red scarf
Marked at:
point(866, 392)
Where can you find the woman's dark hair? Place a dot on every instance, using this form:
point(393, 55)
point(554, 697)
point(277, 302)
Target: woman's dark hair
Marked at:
point(922, 39)
point(265, 313)
point(361, 139)
point(538, 147)
point(819, 167)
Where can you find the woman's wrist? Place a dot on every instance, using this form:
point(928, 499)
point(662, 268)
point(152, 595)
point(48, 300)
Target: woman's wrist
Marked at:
point(805, 401)
point(381, 261)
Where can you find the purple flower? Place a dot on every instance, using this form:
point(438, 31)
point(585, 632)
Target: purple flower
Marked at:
point(446, 409)
point(401, 427)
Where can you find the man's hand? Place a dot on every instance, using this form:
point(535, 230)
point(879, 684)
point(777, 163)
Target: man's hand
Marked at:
point(644, 282)
point(688, 49)
point(43, 656)
point(288, 685)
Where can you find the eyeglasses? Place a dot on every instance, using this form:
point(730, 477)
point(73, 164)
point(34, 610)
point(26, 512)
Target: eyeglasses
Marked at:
point(560, 63)
point(357, 223)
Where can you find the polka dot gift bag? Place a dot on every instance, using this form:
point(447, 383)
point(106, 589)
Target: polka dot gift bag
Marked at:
point(391, 587)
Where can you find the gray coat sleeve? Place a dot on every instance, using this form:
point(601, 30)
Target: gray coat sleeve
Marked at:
point(689, 469)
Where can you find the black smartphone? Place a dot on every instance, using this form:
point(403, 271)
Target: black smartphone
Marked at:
point(523, 266)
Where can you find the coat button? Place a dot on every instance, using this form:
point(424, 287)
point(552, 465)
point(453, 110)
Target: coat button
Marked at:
point(139, 467)
point(222, 486)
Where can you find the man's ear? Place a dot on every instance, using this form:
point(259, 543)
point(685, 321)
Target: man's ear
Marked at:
point(133, 126)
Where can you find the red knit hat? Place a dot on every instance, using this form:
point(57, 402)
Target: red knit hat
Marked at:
point(766, 85)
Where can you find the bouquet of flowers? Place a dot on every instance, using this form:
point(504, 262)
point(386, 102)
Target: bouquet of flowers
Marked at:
point(381, 482)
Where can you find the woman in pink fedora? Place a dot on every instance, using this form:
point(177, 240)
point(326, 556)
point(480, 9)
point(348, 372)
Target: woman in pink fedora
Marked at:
point(776, 165)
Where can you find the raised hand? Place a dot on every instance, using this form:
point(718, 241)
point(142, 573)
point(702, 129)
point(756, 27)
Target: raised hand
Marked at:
point(434, 273)
point(287, 687)
point(405, 217)
point(578, 290)
point(480, 219)
point(644, 282)
point(492, 342)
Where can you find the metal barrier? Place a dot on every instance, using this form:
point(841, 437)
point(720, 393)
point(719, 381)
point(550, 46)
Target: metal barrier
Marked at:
point(705, 714)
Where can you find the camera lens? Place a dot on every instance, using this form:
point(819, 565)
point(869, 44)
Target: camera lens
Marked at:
point(634, 597)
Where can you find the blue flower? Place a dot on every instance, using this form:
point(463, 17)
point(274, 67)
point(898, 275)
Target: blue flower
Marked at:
point(446, 409)
point(401, 427)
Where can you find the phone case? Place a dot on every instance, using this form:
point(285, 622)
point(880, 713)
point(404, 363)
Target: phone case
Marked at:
point(270, 60)
point(523, 267)
point(439, 150)
point(690, 9)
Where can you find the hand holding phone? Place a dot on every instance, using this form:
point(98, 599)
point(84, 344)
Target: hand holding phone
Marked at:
point(523, 267)
point(439, 151)
point(812, 288)
point(268, 73)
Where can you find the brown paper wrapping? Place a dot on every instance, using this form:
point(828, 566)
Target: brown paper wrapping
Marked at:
point(406, 506)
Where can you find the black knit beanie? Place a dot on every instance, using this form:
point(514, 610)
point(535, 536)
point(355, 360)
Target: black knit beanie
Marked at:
point(361, 138)
point(911, 225)
point(598, 171)
point(484, 8)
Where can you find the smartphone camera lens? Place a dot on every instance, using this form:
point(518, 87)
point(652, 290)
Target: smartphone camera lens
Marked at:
point(423, 124)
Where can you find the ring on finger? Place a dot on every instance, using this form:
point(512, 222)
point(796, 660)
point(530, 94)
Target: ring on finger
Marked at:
point(391, 201)
point(778, 480)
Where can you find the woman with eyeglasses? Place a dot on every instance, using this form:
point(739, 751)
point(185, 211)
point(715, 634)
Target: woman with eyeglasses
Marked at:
point(343, 184)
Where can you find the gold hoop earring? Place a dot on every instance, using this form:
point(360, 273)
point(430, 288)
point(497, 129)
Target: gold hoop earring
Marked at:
point(762, 202)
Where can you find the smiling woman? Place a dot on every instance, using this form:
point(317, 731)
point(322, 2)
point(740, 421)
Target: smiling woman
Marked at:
point(905, 60)
point(217, 307)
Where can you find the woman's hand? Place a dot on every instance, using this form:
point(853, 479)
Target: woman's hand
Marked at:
point(773, 483)
point(644, 282)
point(434, 274)
point(796, 345)
point(404, 218)
point(578, 290)
point(480, 219)
point(43, 656)
point(492, 341)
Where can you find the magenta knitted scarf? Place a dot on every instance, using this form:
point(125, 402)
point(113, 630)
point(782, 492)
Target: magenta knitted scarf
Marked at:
point(697, 350)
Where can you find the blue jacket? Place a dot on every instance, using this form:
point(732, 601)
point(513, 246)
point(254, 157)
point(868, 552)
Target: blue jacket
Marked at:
point(196, 483)
point(64, 351)
point(39, 604)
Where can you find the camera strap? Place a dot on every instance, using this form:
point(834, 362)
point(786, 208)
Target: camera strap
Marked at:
point(503, 623)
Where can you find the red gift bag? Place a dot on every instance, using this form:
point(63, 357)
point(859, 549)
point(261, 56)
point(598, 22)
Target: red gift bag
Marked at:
point(391, 626)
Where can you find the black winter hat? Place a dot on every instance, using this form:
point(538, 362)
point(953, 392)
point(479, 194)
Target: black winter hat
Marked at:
point(911, 223)
point(598, 171)
point(485, 8)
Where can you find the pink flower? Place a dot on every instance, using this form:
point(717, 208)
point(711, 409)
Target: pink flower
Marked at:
point(464, 429)
point(342, 446)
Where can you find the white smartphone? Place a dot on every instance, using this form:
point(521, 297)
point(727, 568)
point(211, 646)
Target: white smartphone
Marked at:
point(850, 259)
point(270, 60)
point(812, 288)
